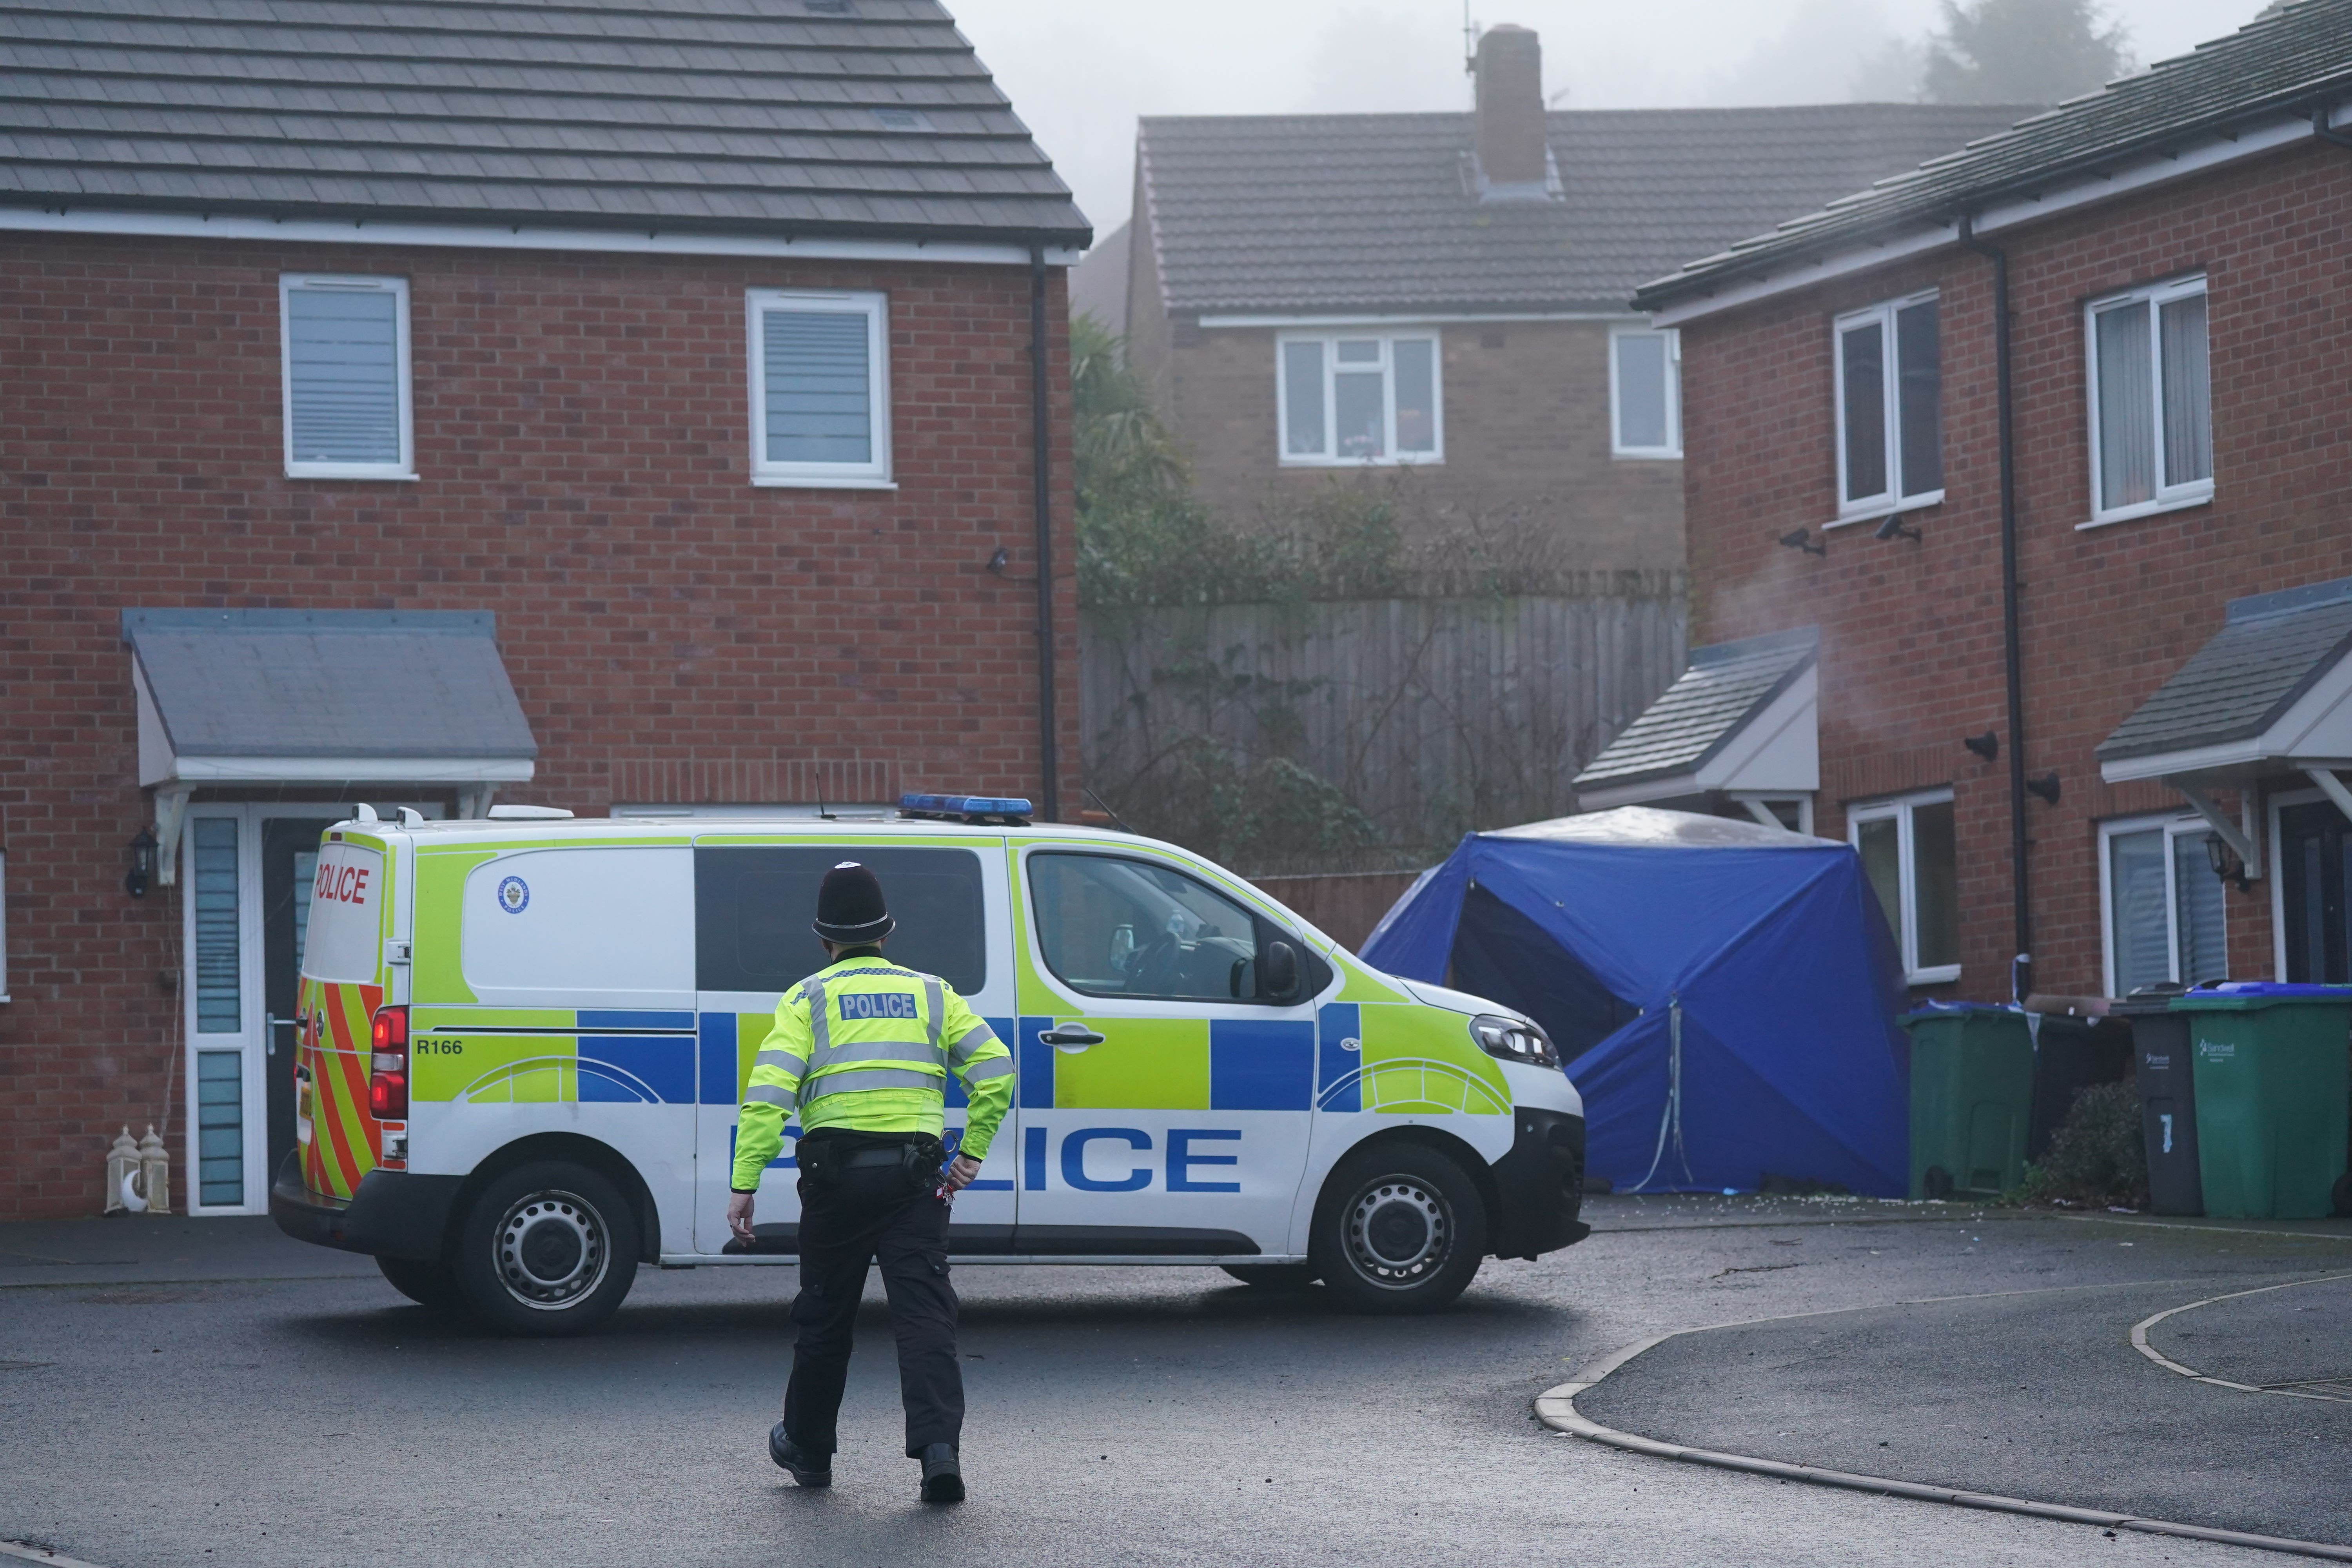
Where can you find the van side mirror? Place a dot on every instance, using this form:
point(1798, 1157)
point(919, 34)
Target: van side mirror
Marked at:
point(1278, 972)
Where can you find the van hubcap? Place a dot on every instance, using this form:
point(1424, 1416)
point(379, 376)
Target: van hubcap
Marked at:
point(1399, 1232)
point(550, 1251)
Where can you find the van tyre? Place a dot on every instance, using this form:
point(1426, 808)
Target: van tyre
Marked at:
point(546, 1249)
point(1273, 1276)
point(1399, 1228)
point(433, 1285)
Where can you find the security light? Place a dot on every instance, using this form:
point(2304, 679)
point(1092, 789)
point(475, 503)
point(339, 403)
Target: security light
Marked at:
point(2043, 788)
point(1893, 527)
point(1987, 745)
point(1802, 539)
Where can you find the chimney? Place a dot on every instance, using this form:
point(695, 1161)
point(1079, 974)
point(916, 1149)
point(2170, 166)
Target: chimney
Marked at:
point(1510, 109)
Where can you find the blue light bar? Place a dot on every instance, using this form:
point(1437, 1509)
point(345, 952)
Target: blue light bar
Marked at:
point(1009, 810)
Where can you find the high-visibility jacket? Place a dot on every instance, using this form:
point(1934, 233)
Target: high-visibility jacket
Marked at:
point(866, 1045)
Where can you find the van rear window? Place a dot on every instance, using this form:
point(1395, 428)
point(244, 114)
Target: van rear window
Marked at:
point(346, 893)
point(754, 903)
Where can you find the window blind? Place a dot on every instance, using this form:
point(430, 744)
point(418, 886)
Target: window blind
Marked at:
point(818, 379)
point(219, 1008)
point(343, 366)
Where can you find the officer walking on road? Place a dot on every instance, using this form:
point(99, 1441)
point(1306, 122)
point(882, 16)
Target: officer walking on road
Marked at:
point(862, 1048)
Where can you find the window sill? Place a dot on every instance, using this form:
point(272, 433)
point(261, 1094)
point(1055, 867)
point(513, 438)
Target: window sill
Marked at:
point(1415, 462)
point(2149, 508)
point(1942, 974)
point(1645, 454)
point(818, 482)
point(311, 473)
point(1881, 513)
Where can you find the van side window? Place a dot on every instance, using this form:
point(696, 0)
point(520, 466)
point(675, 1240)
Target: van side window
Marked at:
point(753, 904)
point(1115, 927)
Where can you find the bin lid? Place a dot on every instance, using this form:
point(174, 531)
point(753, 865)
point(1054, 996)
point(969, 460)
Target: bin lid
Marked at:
point(1929, 1010)
point(2146, 1001)
point(2240, 995)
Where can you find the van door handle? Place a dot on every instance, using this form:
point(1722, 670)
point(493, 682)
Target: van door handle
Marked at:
point(1071, 1037)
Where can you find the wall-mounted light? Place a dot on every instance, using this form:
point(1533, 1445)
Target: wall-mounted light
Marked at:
point(2225, 862)
point(1802, 539)
point(998, 561)
point(1987, 745)
point(142, 865)
point(2045, 788)
point(1893, 527)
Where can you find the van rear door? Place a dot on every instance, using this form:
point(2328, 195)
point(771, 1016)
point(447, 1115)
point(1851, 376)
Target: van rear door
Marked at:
point(342, 987)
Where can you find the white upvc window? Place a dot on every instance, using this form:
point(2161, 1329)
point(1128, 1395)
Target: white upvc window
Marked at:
point(819, 389)
point(1345, 399)
point(1645, 392)
point(2151, 400)
point(1909, 853)
point(344, 348)
point(2165, 912)
point(1890, 408)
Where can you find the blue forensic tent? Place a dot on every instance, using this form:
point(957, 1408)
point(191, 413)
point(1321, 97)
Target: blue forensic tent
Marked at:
point(1722, 994)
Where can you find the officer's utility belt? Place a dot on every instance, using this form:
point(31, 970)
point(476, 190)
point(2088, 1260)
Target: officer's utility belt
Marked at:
point(905, 1163)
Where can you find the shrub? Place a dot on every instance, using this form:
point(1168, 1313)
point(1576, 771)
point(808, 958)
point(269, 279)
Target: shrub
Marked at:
point(2097, 1155)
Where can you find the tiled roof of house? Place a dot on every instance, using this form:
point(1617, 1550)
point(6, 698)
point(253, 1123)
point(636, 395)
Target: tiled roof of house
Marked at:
point(1380, 211)
point(797, 117)
point(1727, 685)
point(2269, 651)
point(2293, 61)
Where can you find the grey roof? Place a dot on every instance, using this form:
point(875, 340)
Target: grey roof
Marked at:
point(1379, 211)
point(323, 683)
point(1727, 685)
point(2269, 651)
point(2294, 60)
point(871, 117)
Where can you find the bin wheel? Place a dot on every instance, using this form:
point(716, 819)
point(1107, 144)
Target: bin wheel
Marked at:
point(1273, 1276)
point(545, 1249)
point(1399, 1228)
point(433, 1285)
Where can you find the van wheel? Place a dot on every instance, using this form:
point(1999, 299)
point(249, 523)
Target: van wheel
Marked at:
point(1400, 1229)
point(547, 1249)
point(1273, 1276)
point(433, 1285)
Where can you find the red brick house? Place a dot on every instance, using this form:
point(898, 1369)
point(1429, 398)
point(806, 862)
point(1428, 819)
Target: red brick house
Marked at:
point(1439, 298)
point(662, 409)
point(2068, 585)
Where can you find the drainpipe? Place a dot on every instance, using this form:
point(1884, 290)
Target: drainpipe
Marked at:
point(2021, 971)
point(1050, 800)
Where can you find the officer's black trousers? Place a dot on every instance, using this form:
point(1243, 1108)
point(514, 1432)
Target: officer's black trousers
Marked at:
point(861, 1217)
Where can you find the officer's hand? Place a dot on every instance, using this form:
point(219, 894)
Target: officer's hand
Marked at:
point(962, 1174)
point(738, 1215)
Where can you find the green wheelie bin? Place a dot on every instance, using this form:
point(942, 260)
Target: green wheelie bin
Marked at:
point(1971, 1099)
point(2271, 1065)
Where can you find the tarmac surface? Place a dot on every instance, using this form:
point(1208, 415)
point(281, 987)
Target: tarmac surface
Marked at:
point(179, 1392)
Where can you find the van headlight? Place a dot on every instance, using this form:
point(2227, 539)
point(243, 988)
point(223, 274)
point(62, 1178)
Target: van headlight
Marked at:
point(1514, 1040)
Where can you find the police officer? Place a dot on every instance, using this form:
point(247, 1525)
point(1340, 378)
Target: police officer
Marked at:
point(862, 1048)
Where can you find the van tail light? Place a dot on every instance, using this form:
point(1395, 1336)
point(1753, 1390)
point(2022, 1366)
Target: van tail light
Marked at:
point(388, 1065)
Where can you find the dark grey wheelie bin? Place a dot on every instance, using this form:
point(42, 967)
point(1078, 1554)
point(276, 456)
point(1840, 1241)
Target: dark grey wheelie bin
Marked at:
point(2167, 1097)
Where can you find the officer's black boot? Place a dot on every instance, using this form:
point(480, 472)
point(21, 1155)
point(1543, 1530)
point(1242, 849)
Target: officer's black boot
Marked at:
point(943, 1476)
point(808, 1469)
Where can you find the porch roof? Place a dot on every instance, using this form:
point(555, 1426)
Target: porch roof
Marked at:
point(1741, 717)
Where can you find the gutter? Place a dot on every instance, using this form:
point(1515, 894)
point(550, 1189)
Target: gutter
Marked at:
point(2020, 867)
point(1041, 456)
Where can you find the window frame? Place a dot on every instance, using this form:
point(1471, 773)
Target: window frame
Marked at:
point(2150, 298)
point(1892, 499)
point(1388, 338)
point(1673, 450)
point(289, 283)
point(875, 474)
point(2174, 824)
point(1900, 808)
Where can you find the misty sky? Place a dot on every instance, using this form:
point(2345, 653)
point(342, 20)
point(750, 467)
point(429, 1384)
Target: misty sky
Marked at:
point(1079, 72)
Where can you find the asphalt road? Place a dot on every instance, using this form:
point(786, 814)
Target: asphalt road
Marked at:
point(250, 1415)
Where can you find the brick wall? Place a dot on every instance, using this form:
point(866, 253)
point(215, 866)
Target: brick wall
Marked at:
point(1911, 655)
point(581, 433)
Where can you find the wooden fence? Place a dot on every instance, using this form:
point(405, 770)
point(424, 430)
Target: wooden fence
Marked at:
point(1359, 736)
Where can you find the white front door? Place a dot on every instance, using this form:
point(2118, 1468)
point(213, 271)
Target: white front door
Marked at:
point(244, 871)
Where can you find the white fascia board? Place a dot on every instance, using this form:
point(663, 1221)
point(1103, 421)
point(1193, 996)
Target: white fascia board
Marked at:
point(2154, 168)
point(1420, 319)
point(1776, 751)
point(2315, 733)
point(1646, 792)
point(348, 770)
point(501, 237)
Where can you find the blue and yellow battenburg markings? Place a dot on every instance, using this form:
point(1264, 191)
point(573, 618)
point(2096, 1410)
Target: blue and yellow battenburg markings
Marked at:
point(586, 1055)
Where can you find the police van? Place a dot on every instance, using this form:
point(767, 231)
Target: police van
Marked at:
point(523, 1041)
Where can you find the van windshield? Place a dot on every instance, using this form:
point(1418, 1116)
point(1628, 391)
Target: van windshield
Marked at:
point(343, 943)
